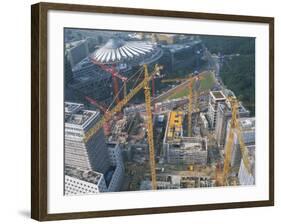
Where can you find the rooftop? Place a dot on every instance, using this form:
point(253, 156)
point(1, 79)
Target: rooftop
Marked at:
point(116, 50)
point(218, 95)
point(247, 123)
point(178, 47)
point(85, 175)
point(85, 62)
point(111, 145)
point(174, 126)
point(72, 107)
point(227, 108)
point(74, 44)
point(76, 114)
point(189, 143)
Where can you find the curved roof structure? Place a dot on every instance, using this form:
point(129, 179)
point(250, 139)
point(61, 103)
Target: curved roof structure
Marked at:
point(116, 50)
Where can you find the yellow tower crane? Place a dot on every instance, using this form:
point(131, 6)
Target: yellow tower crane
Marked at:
point(189, 110)
point(191, 97)
point(150, 129)
point(234, 128)
point(142, 85)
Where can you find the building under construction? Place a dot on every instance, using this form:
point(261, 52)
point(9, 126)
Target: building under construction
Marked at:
point(248, 134)
point(179, 149)
point(184, 179)
point(246, 175)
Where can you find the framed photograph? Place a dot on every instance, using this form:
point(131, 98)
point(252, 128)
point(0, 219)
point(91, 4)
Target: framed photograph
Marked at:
point(139, 111)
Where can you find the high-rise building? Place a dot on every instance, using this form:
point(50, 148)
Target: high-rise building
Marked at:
point(77, 51)
point(117, 175)
point(68, 75)
point(92, 81)
point(245, 176)
point(177, 54)
point(94, 166)
point(87, 78)
point(248, 134)
point(90, 155)
point(223, 116)
point(215, 98)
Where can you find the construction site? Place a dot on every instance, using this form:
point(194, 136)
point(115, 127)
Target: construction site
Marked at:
point(168, 131)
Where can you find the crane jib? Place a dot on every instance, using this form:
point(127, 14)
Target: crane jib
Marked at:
point(119, 106)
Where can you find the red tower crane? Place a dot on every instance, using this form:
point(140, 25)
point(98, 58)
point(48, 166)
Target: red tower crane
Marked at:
point(114, 73)
point(99, 105)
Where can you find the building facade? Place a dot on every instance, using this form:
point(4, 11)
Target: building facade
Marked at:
point(92, 155)
point(248, 177)
point(223, 117)
point(187, 150)
point(86, 75)
point(180, 149)
point(92, 81)
point(77, 51)
point(118, 164)
point(215, 98)
point(248, 134)
point(78, 182)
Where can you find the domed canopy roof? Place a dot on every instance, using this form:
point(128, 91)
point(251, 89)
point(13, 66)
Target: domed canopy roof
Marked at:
point(116, 50)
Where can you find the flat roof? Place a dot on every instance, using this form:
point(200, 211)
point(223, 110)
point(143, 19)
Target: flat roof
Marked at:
point(73, 44)
point(247, 123)
point(188, 143)
point(84, 175)
point(76, 114)
point(72, 107)
point(218, 95)
point(227, 106)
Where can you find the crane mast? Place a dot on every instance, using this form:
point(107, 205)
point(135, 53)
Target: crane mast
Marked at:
point(189, 108)
point(150, 129)
point(192, 98)
point(109, 114)
point(234, 128)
